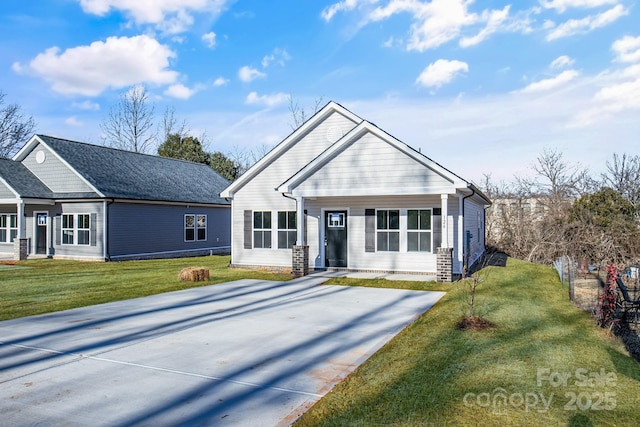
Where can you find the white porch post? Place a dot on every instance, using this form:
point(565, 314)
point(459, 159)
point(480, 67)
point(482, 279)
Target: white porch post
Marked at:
point(445, 220)
point(22, 226)
point(300, 221)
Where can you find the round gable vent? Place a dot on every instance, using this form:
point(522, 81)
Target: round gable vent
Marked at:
point(334, 133)
point(41, 156)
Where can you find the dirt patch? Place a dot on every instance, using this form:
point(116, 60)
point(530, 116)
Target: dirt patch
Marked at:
point(475, 323)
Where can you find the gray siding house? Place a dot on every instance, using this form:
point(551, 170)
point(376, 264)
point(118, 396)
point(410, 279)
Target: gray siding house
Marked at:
point(341, 193)
point(67, 199)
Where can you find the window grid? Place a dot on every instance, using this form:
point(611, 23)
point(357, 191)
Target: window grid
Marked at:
point(388, 220)
point(8, 227)
point(287, 231)
point(76, 229)
point(419, 230)
point(262, 229)
point(195, 227)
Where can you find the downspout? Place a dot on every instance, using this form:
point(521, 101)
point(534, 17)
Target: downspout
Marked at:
point(466, 240)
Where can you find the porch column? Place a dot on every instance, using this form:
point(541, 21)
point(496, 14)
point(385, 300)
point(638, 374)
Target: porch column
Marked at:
point(444, 203)
point(22, 226)
point(300, 221)
point(300, 251)
point(20, 243)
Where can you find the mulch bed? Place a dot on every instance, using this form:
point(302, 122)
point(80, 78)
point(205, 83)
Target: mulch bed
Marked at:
point(475, 323)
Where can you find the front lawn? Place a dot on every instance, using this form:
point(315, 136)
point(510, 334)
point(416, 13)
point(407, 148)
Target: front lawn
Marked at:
point(546, 363)
point(45, 285)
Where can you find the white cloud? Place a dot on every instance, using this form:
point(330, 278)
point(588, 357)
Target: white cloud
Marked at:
point(627, 49)
point(562, 5)
point(329, 12)
point(494, 20)
point(209, 39)
point(115, 63)
point(278, 56)
point(220, 81)
point(247, 74)
point(622, 94)
point(267, 100)
point(73, 121)
point(589, 23)
point(170, 16)
point(561, 62)
point(86, 105)
point(179, 91)
point(551, 83)
point(441, 72)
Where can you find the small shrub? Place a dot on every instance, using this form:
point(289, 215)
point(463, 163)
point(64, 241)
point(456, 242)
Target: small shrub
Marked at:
point(194, 274)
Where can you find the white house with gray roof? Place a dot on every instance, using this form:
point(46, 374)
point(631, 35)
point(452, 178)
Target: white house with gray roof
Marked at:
point(341, 193)
point(67, 199)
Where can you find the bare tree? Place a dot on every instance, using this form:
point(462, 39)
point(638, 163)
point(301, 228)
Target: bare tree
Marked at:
point(15, 128)
point(245, 158)
point(171, 125)
point(130, 125)
point(299, 114)
point(623, 175)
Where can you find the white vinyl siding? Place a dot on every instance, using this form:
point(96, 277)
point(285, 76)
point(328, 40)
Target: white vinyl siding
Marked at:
point(371, 166)
point(259, 193)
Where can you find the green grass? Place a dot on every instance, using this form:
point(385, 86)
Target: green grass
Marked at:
point(54, 285)
point(422, 376)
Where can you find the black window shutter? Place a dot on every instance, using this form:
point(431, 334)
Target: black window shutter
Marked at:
point(92, 225)
point(369, 230)
point(248, 222)
point(57, 230)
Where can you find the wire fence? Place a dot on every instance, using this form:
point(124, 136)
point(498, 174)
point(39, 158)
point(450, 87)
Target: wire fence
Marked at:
point(566, 268)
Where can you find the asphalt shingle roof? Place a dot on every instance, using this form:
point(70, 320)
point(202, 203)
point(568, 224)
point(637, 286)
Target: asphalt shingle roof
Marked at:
point(22, 180)
point(128, 175)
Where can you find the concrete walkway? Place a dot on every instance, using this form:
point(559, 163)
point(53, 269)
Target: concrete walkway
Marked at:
point(245, 353)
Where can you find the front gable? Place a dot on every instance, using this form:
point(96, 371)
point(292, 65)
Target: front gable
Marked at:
point(368, 162)
point(303, 145)
point(51, 169)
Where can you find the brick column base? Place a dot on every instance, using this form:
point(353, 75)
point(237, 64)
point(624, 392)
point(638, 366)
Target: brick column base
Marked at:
point(445, 264)
point(20, 248)
point(300, 262)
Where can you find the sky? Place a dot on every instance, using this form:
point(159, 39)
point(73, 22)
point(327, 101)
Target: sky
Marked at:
point(481, 87)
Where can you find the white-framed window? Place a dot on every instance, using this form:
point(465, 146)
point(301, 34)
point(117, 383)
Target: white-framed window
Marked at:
point(76, 229)
point(195, 227)
point(262, 229)
point(287, 231)
point(388, 230)
point(419, 230)
point(8, 227)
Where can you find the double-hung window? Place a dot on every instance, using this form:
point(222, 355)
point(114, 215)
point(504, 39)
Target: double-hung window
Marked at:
point(262, 229)
point(287, 232)
point(195, 227)
point(388, 230)
point(419, 230)
point(76, 229)
point(8, 227)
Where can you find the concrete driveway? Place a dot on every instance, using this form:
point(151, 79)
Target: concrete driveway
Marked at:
point(248, 352)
